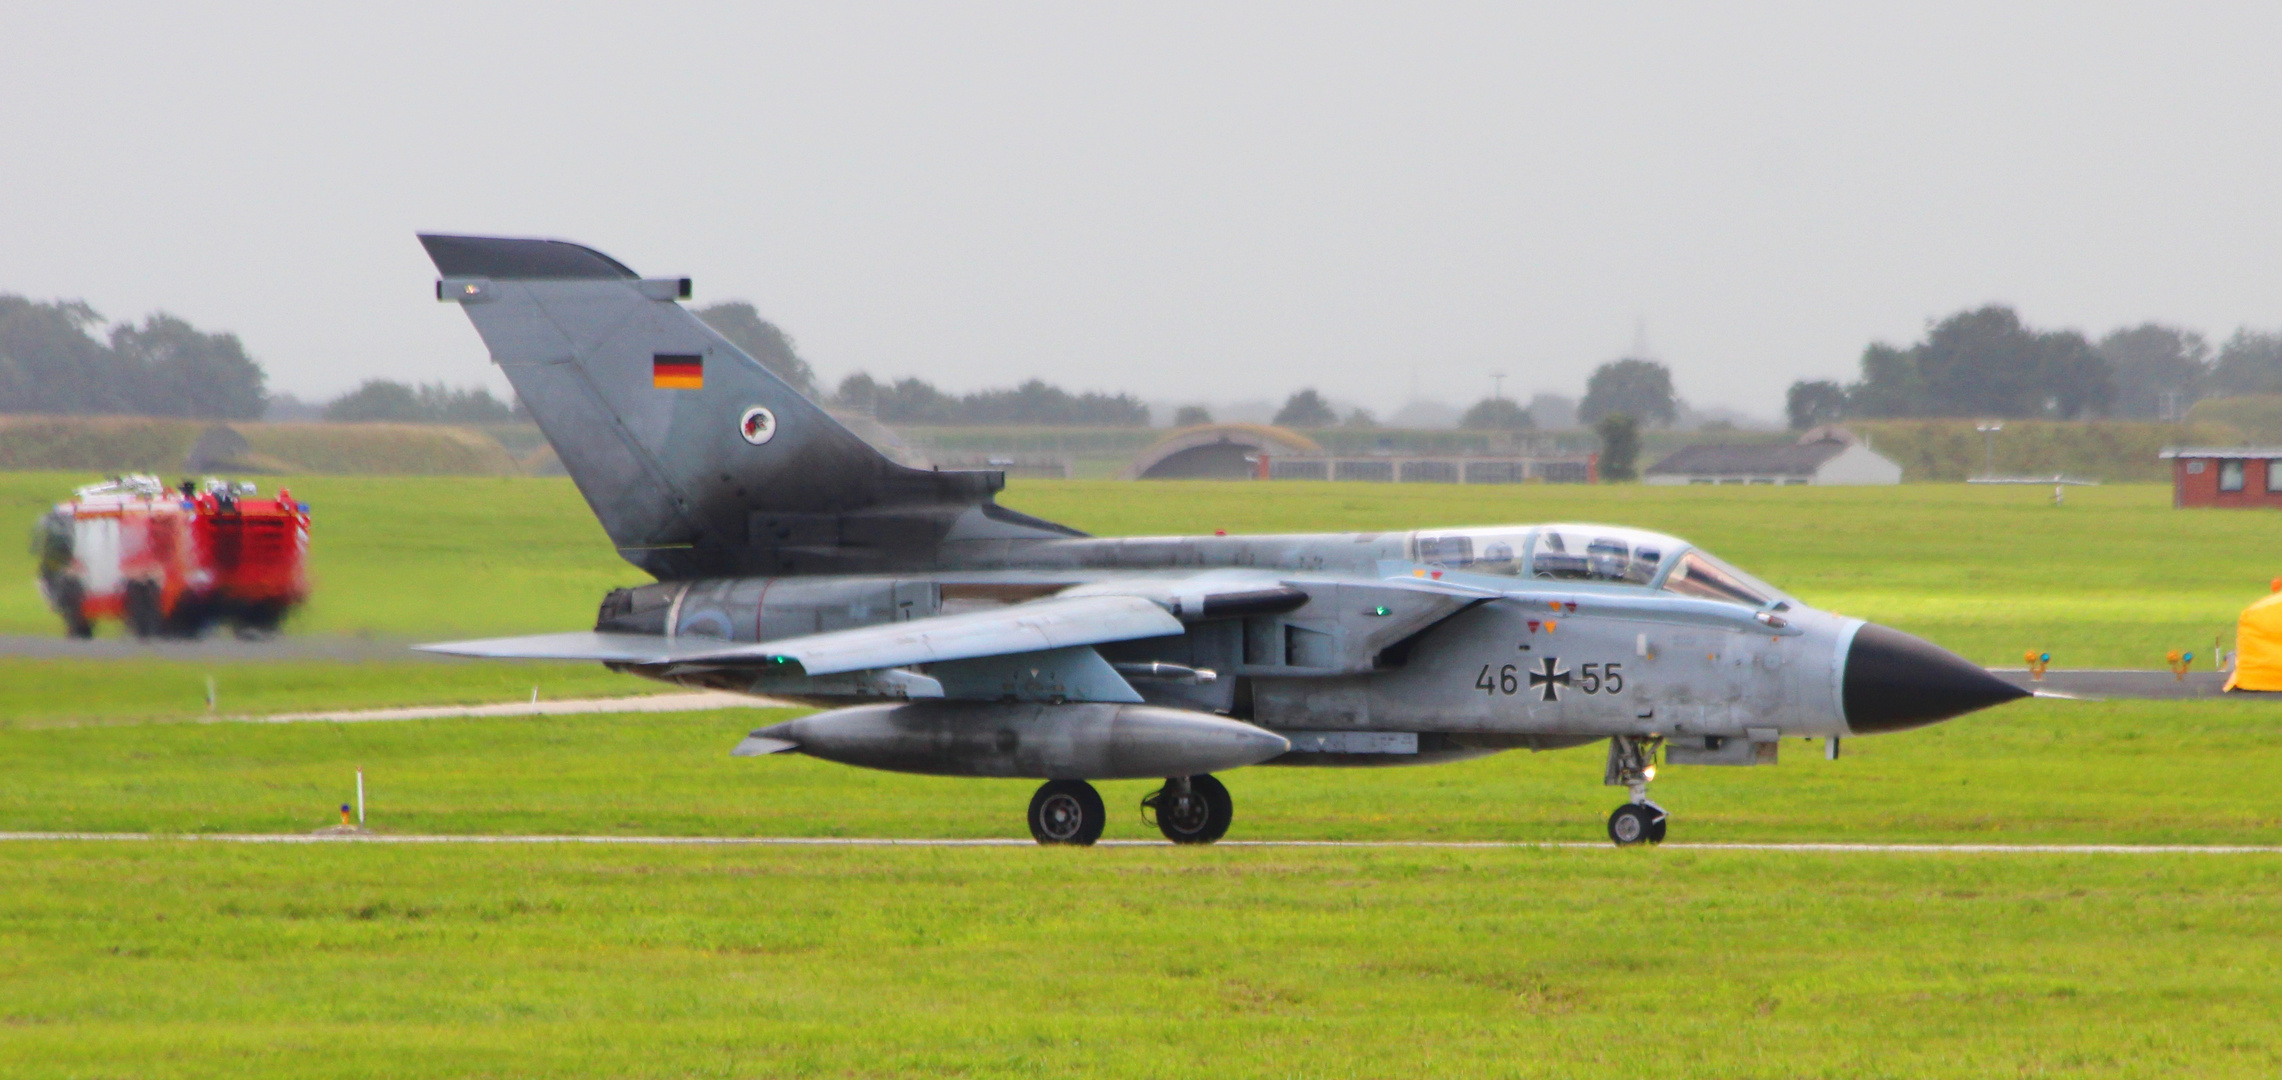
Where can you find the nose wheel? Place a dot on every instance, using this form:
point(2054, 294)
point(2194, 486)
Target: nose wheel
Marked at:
point(1632, 764)
point(1066, 812)
point(1637, 823)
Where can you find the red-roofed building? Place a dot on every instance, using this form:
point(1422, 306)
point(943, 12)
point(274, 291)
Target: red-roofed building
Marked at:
point(2225, 475)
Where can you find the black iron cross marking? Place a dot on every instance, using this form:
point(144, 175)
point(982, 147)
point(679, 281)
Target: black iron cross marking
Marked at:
point(1549, 676)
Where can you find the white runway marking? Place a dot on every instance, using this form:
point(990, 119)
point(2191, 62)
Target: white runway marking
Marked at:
point(827, 841)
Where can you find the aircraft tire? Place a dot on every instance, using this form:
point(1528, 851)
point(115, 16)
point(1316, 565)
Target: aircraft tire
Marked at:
point(1633, 823)
point(1208, 815)
point(1067, 812)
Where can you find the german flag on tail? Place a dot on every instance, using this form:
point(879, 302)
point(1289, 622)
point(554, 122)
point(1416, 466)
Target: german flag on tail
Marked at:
point(669, 371)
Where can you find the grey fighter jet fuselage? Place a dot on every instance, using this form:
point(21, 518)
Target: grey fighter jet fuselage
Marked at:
point(946, 634)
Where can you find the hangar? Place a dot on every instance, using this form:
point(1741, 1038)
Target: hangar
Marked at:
point(1218, 452)
point(1266, 452)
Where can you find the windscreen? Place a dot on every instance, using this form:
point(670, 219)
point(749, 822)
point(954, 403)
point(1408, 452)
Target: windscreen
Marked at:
point(1700, 575)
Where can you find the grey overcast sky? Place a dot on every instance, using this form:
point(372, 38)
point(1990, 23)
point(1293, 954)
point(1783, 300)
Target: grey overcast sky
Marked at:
point(1189, 201)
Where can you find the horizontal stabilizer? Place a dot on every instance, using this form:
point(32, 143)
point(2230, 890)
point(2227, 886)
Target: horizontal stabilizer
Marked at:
point(759, 745)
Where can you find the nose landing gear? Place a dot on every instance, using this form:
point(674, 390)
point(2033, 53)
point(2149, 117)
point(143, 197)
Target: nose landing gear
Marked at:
point(1632, 764)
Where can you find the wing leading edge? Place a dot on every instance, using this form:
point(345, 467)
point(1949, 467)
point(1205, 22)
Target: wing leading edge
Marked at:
point(1018, 628)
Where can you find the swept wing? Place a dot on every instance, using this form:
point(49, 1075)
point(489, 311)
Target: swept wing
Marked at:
point(1019, 628)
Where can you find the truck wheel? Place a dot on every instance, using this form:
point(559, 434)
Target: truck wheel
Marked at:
point(188, 620)
point(71, 602)
point(257, 623)
point(144, 620)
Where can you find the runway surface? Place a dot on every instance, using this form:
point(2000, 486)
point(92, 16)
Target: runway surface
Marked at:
point(2101, 684)
point(335, 837)
point(338, 648)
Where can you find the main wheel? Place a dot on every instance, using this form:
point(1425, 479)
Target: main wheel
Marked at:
point(1633, 823)
point(1066, 812)
point(1199, 817)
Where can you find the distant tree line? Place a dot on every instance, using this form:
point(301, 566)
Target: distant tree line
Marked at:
point(426, 403)
point(1986, 362)
point(760, 339)
point(916, 401)
point(1639, 389)
point(1496, 414)
point(58, 357)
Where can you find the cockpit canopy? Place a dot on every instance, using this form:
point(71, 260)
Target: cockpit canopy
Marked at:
point(1598, 554)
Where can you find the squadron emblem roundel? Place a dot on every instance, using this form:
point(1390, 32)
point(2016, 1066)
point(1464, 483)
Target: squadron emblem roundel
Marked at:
point(758, 425)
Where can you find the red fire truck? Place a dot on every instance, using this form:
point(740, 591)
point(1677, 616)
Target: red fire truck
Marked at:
point(172, 562)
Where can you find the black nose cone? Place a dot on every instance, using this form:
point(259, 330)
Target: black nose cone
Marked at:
point(1894, 681)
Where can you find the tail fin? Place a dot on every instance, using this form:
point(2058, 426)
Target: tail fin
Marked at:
point(697, 459)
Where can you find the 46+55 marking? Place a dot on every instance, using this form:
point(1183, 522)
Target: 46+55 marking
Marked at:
point(1548, 677)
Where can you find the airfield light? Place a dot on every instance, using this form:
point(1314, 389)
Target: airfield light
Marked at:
point(1649, 772)
point(1989, 432)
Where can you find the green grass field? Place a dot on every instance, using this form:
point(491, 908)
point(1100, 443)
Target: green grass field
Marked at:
point(209, 960)
point(195, 959)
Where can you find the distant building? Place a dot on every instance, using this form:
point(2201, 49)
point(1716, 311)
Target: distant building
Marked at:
point(1264, 452)
point(2225, 475)
point(1824, 455)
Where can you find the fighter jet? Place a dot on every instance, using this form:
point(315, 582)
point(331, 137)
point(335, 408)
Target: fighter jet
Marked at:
point(943, 633)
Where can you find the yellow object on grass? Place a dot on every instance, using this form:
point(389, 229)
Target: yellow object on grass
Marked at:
point(2258, 647)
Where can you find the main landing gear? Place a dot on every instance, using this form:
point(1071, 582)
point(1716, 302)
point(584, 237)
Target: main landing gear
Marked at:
point(1188, 810)
point(1191, 809)
point(1066, 812)
point(1632, 764)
